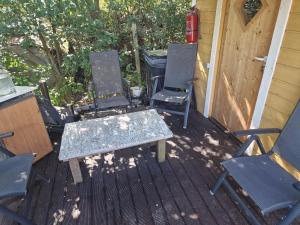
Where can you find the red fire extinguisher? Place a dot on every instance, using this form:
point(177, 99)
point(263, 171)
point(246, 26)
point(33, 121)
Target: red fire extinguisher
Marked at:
point(191, 33)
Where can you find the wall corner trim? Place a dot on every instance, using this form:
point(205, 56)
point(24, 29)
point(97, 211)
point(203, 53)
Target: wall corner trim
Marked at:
point(213, 58)
point(278, 35)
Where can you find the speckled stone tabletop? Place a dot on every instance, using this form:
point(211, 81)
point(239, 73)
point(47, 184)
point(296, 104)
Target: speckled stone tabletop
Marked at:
point(111, 133)
point(20, 90)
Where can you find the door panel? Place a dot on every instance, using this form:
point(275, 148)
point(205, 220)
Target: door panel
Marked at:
point(239, 73)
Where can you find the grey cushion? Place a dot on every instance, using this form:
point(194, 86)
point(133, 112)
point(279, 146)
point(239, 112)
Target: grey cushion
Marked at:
point(14, 175)
point(115, 101)
point(288, 142)
point(170, 96)
point(106, 73)
point(269, 185)
point(180, 68)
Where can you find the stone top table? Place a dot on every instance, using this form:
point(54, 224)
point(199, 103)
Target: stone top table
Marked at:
point(20, 92)
point(112, 133)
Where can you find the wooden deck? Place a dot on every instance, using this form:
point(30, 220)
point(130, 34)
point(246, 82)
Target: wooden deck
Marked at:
point(131, 187)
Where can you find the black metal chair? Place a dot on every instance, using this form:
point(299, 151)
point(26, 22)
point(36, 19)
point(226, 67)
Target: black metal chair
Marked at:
point(266, 182)
point(55, 121)
point(107, 85)
point(14, 178)
point(179, 79)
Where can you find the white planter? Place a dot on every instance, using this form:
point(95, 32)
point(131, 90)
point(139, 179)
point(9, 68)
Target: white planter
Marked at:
point(6, 84)
point(136, 91)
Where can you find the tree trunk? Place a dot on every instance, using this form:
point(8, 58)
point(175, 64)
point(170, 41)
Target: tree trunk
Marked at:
point(54, 65)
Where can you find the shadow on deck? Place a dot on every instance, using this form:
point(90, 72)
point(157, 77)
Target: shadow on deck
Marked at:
point(131, 187)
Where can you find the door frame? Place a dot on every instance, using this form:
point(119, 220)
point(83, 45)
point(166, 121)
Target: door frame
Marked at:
point(276, 42)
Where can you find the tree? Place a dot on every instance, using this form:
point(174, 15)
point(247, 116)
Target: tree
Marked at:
point(66, 31)
point(58, 28)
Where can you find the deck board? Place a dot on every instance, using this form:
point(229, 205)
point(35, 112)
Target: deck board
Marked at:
point(131, 187)
point(170, 205)
point(143, 211)
point(98, 201)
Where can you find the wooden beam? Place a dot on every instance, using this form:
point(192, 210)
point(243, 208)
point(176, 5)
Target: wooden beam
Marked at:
point(279, 31)
point(136, 51)
point(214, 56)
point(161, 151)
point(75, 170)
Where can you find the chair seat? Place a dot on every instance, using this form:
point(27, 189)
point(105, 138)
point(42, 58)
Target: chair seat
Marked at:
point(14, 175)
point(170, 96)
point(269, 185)
point(115, 101)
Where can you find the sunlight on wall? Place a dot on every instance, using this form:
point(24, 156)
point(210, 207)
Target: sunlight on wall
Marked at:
point(200, 85)
point(285, 88)
point(206, 13)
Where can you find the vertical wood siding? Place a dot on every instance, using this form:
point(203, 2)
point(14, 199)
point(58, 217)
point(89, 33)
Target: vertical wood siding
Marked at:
point(206, 11)
point(285, 88)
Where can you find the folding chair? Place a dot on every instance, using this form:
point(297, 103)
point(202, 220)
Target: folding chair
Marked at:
point(266, 182)
point(179, 79)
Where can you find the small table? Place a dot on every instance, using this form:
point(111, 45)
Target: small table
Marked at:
point(101, 135)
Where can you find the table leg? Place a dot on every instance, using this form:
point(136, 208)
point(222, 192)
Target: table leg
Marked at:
point(161, 150)
point(75, 170)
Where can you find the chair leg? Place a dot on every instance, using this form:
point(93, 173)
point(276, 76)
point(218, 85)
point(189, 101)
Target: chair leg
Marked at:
point(250, 216)
point(186, 113)
point(291, 216)
point(41, 177)
point(152, 103)
point(14, 216)
point(218, 183)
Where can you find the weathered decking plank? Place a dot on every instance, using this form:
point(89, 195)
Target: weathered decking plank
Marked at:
point(143, 212)
point(56, 204)
point(210, 175)
point(98, 201)
point(112, 199)
point(125, 196)
point(70, 208)
point(173, 213)
point(85, 195)
point(46, 190)
point(131, 187)
point(185, 207)
point(191, 190)
point(154, 202)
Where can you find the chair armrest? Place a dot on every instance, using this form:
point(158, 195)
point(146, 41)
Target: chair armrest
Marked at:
point(126, 82)
point(127, 91)
point(297, 185)
point(90, 86)
point(70, 109)
point(2, 148)
point(157, 77)
point(6, 134)
point(6, 152)
point(192, 80)
point(243, 148)
point(256, 131)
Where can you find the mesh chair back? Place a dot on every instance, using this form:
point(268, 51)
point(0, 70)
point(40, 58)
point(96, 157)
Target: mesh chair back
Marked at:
point(288, 142)
point(180, 65)
point(106, 73)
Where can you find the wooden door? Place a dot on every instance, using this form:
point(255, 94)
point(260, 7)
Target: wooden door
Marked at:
point(246, 37)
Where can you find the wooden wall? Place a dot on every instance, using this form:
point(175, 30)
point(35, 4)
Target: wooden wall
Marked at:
point(206, 11)
point(285, 88)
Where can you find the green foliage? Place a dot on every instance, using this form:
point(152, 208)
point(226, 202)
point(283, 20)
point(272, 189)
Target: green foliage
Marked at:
point(23, 74)
point(65, 32)
point(67, 92)
point(132, 77)
point(159, 22)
